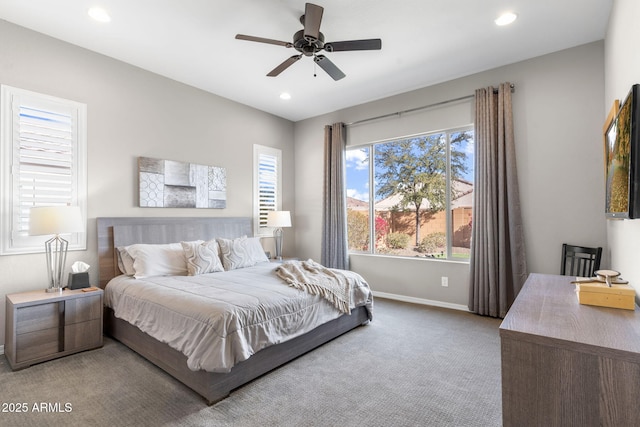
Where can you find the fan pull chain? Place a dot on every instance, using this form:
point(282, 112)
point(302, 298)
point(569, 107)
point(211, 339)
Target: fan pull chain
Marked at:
point(314, 68)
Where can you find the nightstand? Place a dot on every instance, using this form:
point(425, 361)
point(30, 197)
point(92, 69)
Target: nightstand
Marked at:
point(42, 326)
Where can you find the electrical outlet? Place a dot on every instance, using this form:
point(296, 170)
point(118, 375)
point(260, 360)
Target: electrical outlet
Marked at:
point(445, 281)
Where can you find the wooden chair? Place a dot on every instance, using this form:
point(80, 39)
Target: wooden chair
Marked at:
point(580, 261)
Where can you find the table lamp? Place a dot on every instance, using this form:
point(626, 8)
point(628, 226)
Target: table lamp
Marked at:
point(278, 220)
point(56, 220)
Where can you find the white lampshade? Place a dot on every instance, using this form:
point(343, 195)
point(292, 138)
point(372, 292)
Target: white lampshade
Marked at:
point(55, 220)
point(278, 219)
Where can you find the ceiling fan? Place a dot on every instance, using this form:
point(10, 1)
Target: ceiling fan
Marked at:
point(309, 41)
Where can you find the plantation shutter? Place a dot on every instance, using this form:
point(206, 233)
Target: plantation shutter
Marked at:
point(268, 176)
point(43, 140)
point(267, 186)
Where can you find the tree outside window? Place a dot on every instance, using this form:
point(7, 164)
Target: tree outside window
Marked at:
point(421, 201)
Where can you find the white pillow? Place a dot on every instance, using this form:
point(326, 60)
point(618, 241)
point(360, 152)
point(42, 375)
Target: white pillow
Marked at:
point(241, 252)
point(157, 260)
point(125, 262)
point(202, 257)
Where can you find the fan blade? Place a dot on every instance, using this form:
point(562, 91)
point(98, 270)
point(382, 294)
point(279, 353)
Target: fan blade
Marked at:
point(368, 44)
point(286, 64)
point(329, 67)
point(263, 40)
point(312, 20)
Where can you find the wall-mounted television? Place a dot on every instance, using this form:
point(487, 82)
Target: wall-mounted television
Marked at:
point(622, 159)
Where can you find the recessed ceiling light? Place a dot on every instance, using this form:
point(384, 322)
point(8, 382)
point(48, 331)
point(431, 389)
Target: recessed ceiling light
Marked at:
point(99, 14)
point(286, 96)
point(506, 19)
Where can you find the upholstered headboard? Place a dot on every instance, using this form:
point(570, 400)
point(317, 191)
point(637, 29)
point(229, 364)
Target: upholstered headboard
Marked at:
point(122, 231)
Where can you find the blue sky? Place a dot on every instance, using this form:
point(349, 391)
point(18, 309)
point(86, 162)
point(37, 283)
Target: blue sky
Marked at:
point(358, 174)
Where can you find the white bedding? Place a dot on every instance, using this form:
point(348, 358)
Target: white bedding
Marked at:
point(220, 319)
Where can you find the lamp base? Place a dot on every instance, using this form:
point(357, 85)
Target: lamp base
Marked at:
point(56, 253)
point(277, 235)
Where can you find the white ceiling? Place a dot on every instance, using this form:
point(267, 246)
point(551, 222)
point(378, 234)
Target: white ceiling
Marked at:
point(424, 42)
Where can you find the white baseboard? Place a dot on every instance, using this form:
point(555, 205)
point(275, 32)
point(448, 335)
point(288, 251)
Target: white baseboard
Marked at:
point(421, 301)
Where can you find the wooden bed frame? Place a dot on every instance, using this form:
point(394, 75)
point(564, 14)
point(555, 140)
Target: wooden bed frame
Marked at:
point(121, 231)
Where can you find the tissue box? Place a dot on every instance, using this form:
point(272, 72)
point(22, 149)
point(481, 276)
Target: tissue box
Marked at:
point(78, 280)
point(616, 296)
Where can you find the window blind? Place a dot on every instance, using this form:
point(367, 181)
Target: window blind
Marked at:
point(44, 146)
point(267, 164)
point(268, 186)
point(44, 175)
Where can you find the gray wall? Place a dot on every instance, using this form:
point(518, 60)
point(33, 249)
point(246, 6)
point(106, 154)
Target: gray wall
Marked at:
point(622, 70)
point(558, 117)
point(134, 113)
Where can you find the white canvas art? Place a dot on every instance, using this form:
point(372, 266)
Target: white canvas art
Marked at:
point(171, 184)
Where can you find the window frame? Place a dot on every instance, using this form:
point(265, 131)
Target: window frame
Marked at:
point(13, 239)
point(259, 214)
point(371, 146)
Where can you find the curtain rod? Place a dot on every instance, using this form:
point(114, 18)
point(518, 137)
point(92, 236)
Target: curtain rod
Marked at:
point(424, 107)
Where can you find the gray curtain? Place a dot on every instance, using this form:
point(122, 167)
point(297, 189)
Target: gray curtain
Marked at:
point(334, 216)
point(498, 266)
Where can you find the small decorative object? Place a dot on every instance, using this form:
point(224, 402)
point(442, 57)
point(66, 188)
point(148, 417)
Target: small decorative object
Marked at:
point(79, 276)
point(607, 289)
point(609, 277)
point(171, 184)
point(55, 220)
point(278, 220)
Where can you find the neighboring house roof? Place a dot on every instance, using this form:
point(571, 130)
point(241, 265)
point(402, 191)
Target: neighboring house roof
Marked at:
point(464, 200)
point(357, 205)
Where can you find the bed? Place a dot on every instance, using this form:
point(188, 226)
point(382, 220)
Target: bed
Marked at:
point(212, 376)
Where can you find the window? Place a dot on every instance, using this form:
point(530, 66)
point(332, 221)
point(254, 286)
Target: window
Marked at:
point(267, 186)
point(43, 155)
point(420, 203)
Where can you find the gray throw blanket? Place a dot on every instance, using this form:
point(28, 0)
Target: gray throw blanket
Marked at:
point(316, 279)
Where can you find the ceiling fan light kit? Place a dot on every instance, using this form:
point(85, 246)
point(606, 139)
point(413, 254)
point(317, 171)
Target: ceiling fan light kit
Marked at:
point(309, 41)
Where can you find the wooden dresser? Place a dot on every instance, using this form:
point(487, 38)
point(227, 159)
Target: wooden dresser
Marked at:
point(41, 326)
point(567, 364)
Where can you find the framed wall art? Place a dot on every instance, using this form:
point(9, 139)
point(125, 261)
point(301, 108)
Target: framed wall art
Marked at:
point(622, 159)
point(172, 184)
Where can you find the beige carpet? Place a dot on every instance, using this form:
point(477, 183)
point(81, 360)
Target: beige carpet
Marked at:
point(412, 366)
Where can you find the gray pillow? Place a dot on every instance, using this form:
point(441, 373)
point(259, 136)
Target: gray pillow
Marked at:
point(241, 252)
point(202, 257)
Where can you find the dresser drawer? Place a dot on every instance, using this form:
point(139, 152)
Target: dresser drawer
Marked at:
point(38, 317)
point(82, 309)
point(33, 345)
point(83, 335)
